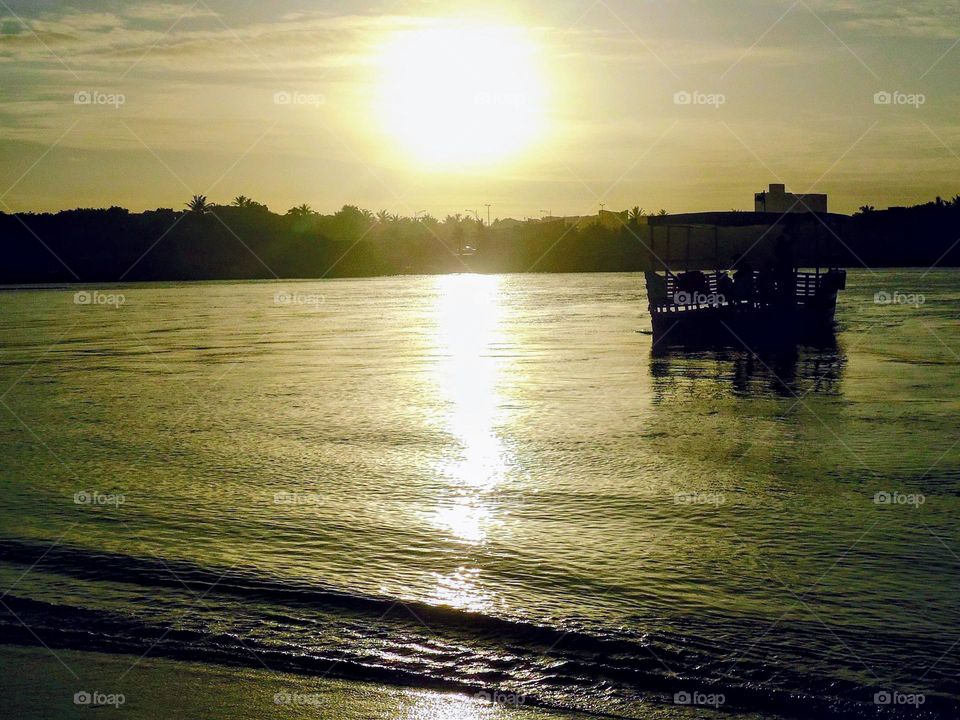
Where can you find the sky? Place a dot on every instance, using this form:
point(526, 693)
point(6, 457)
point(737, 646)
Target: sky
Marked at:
point(530, 106)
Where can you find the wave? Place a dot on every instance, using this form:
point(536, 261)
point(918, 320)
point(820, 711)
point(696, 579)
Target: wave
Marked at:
point(562, 665)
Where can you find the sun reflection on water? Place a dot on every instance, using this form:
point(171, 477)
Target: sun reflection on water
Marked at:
point(468, 374)
point(460, 589)
point(468, 331)
point(434, 706)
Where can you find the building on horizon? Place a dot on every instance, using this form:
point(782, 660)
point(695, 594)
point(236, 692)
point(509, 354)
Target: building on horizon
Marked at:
point(778, 200)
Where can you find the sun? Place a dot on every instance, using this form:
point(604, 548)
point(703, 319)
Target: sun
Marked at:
point(456, 96)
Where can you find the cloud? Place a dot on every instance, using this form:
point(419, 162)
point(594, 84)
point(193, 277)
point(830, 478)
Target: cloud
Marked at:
point(676, 54)
point(906, 26)
point(104, 41)
point(305, 40)
point(893, 18)
point(11, 26)
point(167, 12)
point(75, 22)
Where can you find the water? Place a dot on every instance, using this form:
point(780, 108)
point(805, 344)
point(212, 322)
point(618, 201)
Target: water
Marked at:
point(489, 483)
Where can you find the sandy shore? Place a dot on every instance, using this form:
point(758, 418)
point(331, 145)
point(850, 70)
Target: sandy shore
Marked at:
point(35, 684)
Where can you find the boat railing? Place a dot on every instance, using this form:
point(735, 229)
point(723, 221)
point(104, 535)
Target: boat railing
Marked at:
point(808, 284)
point(716, 290)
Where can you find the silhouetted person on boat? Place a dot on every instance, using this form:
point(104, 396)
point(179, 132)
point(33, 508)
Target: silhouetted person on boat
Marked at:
point(693, 282)
point(726, 286)
point(656, 287)
point(767, 284)
point(785, 272)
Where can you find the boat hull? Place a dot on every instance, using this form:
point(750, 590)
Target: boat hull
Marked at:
point(745, 324)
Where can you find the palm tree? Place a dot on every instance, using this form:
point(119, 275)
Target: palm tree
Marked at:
point(662, 212)
point(300, 211)
point(198, 204)
point(383, 217)
point(242, 201)
point(864, 209)
point(635, 214)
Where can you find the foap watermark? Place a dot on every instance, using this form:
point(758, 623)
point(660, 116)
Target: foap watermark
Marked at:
point(894, 697)
point(915, 300)
point(496, 697)
point(685, 97)
point(701, 699)
point(296, 498)
point(99, 499)
point(95, 698)
point(97, 97)
point(914, 100)
point(95, 297)
point(699, 498)
point(296, 98)
point(914, 500)
point(282, 297)
point(298, 699)
point(711, 299)
point(883, 297)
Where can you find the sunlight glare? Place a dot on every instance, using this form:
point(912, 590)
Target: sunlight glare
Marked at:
point(460, 590)
point(469, 314)
point(461, 95)
point(437, 706)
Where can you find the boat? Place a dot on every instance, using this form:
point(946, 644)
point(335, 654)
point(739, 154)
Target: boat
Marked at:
point(715, 302)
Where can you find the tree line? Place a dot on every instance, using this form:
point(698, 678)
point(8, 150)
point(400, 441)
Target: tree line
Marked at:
point(244, 239)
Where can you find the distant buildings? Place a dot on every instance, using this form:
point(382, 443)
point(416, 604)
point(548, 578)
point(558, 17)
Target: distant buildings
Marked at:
point(778, 200)
point(605, 218)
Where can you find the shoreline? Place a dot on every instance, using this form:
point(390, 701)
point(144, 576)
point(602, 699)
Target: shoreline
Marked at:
point(39, 684)
point(170, 282)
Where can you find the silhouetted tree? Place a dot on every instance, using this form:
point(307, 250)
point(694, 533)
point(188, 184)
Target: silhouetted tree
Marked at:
point(198, 204)
point(300, 211)
point(102, 244)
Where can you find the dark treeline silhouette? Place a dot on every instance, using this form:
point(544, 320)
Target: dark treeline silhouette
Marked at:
point(245, 240)
point(915, 236)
